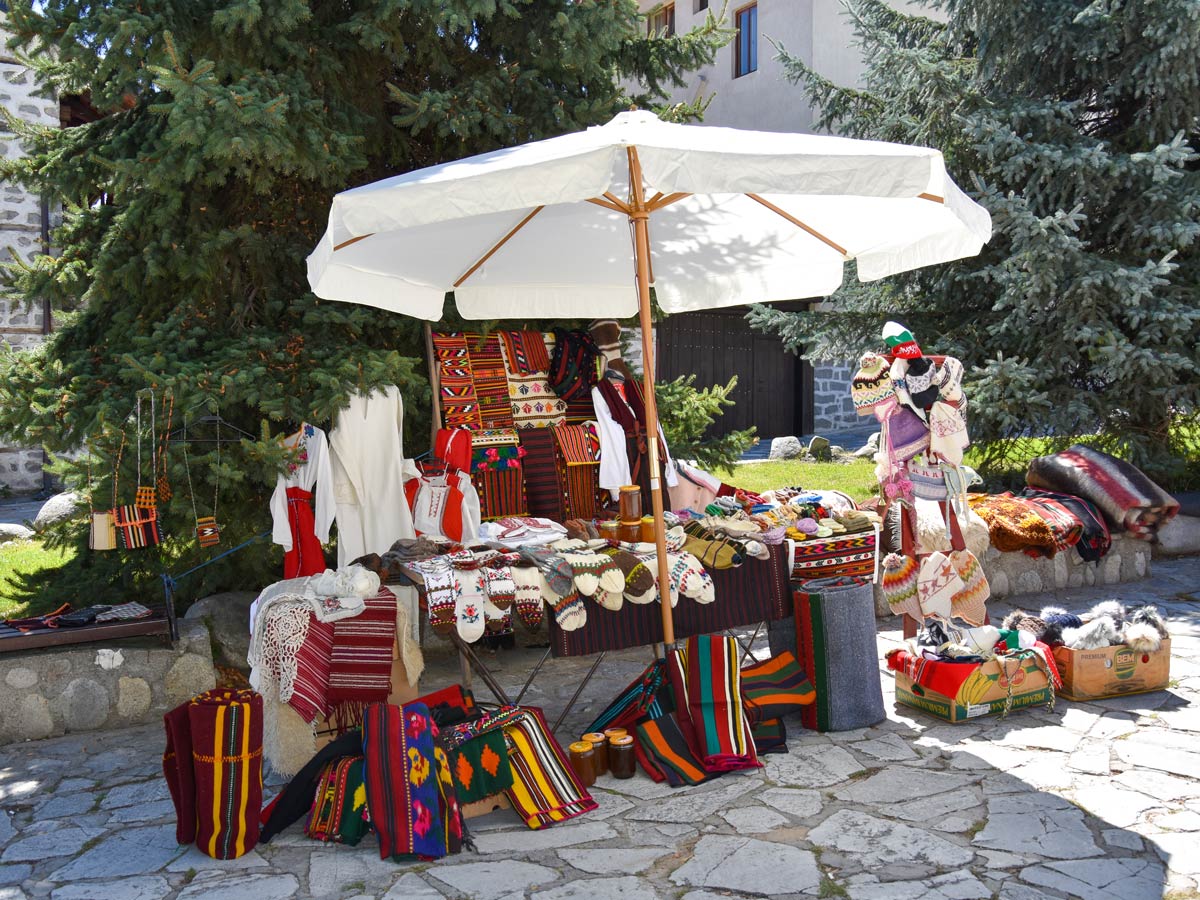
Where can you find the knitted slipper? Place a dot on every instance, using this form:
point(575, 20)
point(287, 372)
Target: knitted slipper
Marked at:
point(528, 596)
point(899, 584)
point(569, 611)
point(556, 569)
point(969, 603)
point(498, 583)
point(469, 598)
point(639, 582)
point(937, 582)
point(439, 593)
point(613, 600)
point(690, 575)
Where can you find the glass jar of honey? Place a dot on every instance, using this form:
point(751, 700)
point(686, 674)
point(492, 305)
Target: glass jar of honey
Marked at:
point(583, 762)
point(629, 503)
point(648, 529)
point(622, 759)
point(600, 747)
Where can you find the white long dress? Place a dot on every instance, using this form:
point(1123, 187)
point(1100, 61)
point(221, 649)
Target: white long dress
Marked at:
point(312, 474)
point(368, 482)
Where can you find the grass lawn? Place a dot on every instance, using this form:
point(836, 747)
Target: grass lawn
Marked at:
point(856, 479)
point(19, 558)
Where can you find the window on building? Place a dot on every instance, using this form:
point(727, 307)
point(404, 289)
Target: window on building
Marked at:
point(745, 59)
point(699, 5)
point(662, 21)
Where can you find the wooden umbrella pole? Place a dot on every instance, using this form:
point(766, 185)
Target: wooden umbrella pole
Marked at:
point(640, 215)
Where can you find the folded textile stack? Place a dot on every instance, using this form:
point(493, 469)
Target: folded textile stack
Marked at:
point(1129, 500)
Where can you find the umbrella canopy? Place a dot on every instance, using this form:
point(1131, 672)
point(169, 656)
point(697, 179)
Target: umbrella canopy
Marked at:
point(580, 226)
point(736, 217)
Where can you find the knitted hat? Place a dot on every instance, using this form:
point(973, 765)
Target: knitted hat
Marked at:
point(968, 603)
point(937, 583)
point(900, 341)
point(899, 584)
point(948, 432)
point(871, 385)
point(919, 378)
point(948, 379)
point(907, 435)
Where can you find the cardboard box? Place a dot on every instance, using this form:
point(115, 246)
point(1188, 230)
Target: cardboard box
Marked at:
point(1112, 671)
point(983, 694)
point(485, 806)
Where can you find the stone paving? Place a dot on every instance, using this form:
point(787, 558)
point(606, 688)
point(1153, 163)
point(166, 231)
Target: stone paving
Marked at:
point(1092, 800)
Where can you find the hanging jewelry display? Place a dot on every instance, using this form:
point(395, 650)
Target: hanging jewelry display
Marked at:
point(208, 532)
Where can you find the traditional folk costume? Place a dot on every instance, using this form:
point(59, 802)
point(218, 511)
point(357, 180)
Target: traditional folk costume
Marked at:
point(302, 506)
point(368, 479)
point(444, 505)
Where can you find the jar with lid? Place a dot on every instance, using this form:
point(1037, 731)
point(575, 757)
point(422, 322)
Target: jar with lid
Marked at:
point(600, 746)
point(583, 761)
point(629, 503)
point(622, 760)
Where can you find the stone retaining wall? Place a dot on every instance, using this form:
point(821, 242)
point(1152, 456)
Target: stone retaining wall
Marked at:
point(85, 687)
point(1010, 574)
point(833, 409)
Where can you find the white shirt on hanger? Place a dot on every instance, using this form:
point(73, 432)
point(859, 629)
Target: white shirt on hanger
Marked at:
point(368, 481)
point(313, 474)
point(614, 452)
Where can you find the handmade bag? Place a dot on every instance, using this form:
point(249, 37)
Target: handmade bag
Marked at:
point(928, 481)
point(137, 526)
point(573, 370)
point(103, 535)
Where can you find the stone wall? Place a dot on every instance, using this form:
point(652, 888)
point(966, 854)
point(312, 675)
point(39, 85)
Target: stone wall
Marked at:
point(20, 233)
point(86, 687)
point(832, 407)
point(1013, 574)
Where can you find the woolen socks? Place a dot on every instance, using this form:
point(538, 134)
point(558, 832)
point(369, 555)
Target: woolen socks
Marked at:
point(569, 611)
point(557, 570)
point(528, 596)
point(639, 582)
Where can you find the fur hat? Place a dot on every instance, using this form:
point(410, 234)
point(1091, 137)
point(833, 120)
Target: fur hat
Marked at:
point(1149, 615)
point(900, 341)
point(1098, 633)
point(1019, 620)
point(1141, 636)
point(1114, 609)
point(872, 384)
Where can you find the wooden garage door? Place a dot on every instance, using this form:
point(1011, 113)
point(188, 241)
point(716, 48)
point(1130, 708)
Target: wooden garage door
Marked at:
point(717, 345)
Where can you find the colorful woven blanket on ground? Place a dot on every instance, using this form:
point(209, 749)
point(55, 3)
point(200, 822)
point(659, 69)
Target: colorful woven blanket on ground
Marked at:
point(410, 791)
point(706, 685)
point(545, 789)
point(217, 737)
point(335, 803)
point(460, 406)
point(641, 698)
point(1095, 540)
point(852, 554)
point(1015, 525)
point(1128, 499)
point(481, 768)
point(360, 661)
point(666, 754)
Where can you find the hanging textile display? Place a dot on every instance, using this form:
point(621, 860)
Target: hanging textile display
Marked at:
point(534, 403)
point(302, 505)
point(221, 743)
point(460, 408)
point(367, 443)
point(579, 448)
point(137, 524)
point(208, 532)
point(544, 489)
point(491, 381)
point(497, 471)
point(443, 504)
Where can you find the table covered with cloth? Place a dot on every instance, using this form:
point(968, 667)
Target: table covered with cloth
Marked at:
point(753, 592)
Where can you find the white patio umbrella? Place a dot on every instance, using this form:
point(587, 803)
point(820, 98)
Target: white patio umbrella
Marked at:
point(580, 226)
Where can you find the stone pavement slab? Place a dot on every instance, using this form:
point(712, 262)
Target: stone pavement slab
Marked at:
point(1090, 800)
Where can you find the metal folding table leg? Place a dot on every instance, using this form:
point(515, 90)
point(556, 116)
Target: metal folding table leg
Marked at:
point(746, 647)
point(472, 662)
point(579, 690)
point(532, 675)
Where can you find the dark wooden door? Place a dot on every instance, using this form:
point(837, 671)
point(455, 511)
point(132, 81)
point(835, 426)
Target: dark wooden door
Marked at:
point(716, 345)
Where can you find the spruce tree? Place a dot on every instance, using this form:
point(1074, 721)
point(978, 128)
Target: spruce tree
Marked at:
point(1075, 123)
point(190, 204)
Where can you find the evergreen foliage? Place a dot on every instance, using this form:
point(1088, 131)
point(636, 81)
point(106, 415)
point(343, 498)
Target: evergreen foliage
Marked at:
point(190, 205)
point(1075, 123)
point(688, 413)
